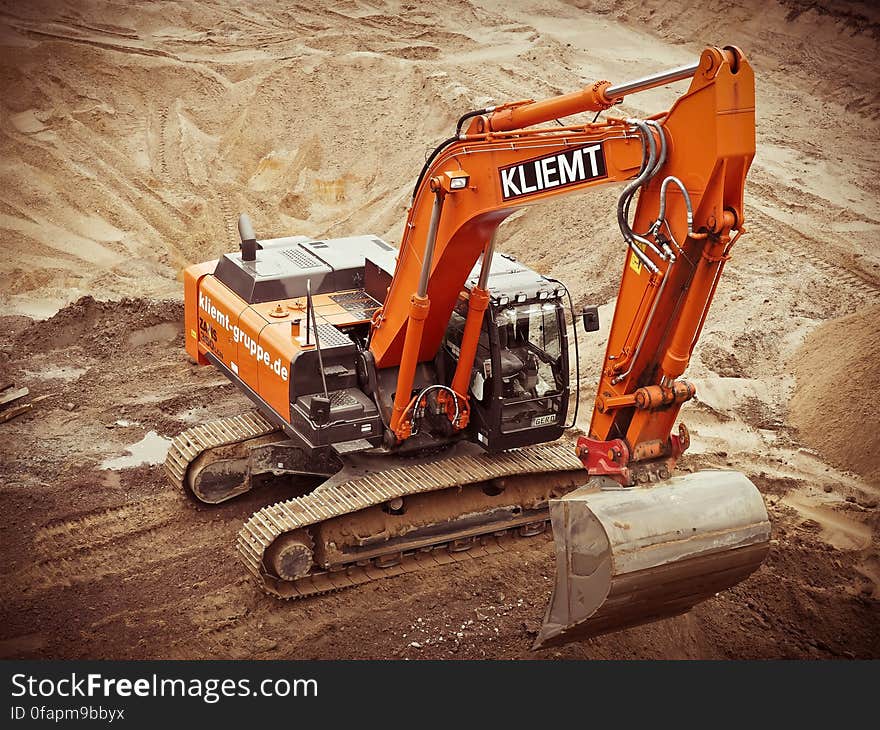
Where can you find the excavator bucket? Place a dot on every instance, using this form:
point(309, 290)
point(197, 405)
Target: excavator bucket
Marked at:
point(627, 556)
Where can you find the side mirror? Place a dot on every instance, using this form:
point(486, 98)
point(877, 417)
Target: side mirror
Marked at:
point(591, 319)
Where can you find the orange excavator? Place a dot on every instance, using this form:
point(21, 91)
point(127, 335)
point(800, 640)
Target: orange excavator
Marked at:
point(416, 401)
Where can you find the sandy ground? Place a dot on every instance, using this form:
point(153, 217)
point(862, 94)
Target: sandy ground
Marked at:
point(133, 134)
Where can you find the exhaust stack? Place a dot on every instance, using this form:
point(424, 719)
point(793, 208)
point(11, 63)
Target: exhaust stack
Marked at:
point(248, 238)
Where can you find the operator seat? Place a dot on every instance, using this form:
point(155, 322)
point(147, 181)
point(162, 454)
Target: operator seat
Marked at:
point(510, 364)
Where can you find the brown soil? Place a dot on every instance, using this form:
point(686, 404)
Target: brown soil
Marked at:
point(834, 406)
point(133, 134)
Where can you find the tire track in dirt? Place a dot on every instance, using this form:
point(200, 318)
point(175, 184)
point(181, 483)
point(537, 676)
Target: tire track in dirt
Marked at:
point(246, 19)
point(65, 538)
point(120, 542)
point(228, 218)
point(124, 33)
point(137, 554)
point(157, 213)
point(848, 279)
point(137, 192)
point(163, 132)
point(262, 32)
point(34, 32)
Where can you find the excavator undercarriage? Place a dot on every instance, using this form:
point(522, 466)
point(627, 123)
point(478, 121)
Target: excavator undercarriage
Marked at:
point(379, 518)
point(376, 512)
point(416, 401)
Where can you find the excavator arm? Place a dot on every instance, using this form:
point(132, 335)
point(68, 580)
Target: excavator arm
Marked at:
point(469, 189)
point(689, 215)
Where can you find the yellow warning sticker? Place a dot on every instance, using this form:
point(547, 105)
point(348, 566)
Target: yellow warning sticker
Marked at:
point(634, 262)
point(193, 334)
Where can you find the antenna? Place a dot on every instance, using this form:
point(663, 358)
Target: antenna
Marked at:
point(310, 312)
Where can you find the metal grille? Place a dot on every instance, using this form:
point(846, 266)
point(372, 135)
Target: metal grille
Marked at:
point(342, 398)
point(301, 258)
point(358, 304)
point(329, 336)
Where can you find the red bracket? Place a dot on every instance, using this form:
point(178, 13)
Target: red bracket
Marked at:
point(613, 458)
point(605, 458)
point(678, 444)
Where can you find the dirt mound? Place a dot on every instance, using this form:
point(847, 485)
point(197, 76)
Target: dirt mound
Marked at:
point(834, 405)
point(103, 328)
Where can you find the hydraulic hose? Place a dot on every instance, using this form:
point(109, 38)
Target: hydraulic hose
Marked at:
point(445, 143)
point(469, 115)
point(661, 213)
point(437, 150)
point(415, 403)
point(648, 167)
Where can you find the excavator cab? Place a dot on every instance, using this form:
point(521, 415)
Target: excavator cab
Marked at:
point(519, 386)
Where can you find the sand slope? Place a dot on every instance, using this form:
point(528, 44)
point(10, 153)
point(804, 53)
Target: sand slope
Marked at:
point(834, 407)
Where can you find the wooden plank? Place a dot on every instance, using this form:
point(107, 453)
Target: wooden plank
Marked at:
point(12, 394)
point(11, 413)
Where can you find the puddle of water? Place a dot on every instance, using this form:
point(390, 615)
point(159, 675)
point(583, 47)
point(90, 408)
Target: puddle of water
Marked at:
point(151, 449)
point(164, 332)
point(838, 530)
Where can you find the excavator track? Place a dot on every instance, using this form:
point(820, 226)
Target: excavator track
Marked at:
point(347, 497)
point(192, 443)
point(267, 528)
